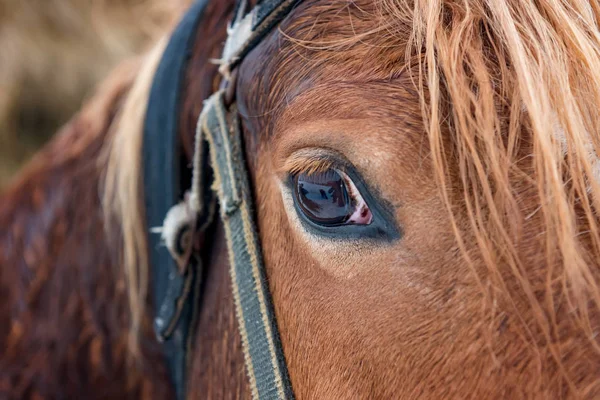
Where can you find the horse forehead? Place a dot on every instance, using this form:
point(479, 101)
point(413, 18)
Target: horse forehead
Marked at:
point(343, 96)
point(307, 58)
point(381, 116)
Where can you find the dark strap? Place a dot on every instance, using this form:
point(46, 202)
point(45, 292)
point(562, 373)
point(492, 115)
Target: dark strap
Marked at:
point(265, 363)
point(219, 124)
point(175, 294)
point(176, 290)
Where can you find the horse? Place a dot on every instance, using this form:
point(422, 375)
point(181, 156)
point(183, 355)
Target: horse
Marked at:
point(424, 177)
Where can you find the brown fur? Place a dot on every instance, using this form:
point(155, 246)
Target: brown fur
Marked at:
point(64, 316)
point(411, 319)
point(217, 369)
point(472, 301)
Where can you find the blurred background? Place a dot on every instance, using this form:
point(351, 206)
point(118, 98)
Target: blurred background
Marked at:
point(52, 55)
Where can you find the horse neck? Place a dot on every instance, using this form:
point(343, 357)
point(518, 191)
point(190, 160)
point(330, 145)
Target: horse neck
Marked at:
point(217, 364)
point(63, 316)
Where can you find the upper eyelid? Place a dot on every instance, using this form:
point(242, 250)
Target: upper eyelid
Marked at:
point(313, 160)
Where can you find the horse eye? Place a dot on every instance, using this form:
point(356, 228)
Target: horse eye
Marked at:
point(330, 198)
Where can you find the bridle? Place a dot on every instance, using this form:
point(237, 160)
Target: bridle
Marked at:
point(218, 163)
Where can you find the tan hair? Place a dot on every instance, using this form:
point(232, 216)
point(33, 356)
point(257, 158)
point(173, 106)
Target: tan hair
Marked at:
point(122, 198)
point(537, 62)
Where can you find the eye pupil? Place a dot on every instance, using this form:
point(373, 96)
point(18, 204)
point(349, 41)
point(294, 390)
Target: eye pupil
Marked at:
point(323, 197)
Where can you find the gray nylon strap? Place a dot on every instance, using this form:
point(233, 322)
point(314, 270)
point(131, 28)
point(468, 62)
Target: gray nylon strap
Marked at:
point(265, 363)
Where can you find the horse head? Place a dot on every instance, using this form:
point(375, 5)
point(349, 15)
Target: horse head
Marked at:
point(422, 181)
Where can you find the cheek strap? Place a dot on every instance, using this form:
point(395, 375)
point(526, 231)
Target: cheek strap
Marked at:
point(263, 353)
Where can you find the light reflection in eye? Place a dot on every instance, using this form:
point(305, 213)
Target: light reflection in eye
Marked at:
point(330, 198)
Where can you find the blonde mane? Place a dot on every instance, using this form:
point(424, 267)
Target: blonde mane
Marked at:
point(517, 85)
point(122, 197)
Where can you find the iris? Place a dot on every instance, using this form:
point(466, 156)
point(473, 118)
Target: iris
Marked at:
point(329, 198)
